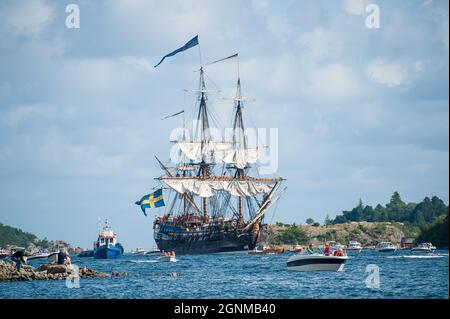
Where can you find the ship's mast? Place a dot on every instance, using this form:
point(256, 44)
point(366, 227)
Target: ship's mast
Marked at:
point(239, 141)
point(203, 118)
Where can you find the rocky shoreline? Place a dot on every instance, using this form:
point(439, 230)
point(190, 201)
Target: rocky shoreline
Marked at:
point(8, 272)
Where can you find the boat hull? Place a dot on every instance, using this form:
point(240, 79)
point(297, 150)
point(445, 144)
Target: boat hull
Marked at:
point(192, 243)
point(167, 259)
point(108, 252)
point(386, 250)
point(316, 263)
point(421, 250)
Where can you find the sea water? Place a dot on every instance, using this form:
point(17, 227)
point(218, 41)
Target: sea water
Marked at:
point(400, 274)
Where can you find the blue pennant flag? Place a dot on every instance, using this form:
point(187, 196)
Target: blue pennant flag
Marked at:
point(192, 43)
point(152, 200)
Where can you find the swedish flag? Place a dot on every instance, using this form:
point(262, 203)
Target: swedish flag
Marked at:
point(151, 201)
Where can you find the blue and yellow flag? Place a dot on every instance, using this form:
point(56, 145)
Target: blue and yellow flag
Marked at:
point(151, 201)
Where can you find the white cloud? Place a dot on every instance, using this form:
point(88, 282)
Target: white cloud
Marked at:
point(333, 82)
point(355, 7)
point(387, 73)
point(138, 63)
point(279, 27)
point(29, 17)
point(23, 112)
point(320, 44)
point(60, 158)
point(260, 6)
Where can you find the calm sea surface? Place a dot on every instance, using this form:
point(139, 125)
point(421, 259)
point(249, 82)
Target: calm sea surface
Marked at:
point(402, 275)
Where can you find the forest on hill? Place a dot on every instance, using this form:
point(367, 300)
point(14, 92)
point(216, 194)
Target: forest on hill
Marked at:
point(426, 221)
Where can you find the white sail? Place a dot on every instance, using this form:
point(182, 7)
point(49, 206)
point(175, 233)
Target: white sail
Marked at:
point(223, 151)
point(240, 157)
point(209, 187)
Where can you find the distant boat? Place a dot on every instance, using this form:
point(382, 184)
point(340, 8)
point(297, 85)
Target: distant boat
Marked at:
point(39, 255)
point(385, 246)
point(353, 246)
point(424, 248)
point(4, 253)
point(316, 262)
point(138, 251)
point(106, 246)
point(267, 250)
point(167, 259)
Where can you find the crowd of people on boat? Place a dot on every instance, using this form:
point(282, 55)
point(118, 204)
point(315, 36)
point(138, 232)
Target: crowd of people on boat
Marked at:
point(326, 251)
point(193, 222)
point(168, 253)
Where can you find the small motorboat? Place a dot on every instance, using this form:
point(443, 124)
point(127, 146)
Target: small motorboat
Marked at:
point(267, 250)
point(385, 247)
point(138, 251)
point(52, 258)
point(4, 253)
point(167, 259)
point(39, 255)
point(316, 262)
point(106, 246)
point(353, 246)
point(424, 248)
point(296, 249)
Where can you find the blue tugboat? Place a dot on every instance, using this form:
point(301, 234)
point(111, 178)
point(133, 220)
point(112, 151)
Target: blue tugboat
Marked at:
point(106, 246)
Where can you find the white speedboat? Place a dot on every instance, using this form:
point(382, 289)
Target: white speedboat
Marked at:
point(335, 245)
point(424, 248)
point(167, 259)
point(316, 262)
point(353, 246)
point(138, 251)
point(385, 246)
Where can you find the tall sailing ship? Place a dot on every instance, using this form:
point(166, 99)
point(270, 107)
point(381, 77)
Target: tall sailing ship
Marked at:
point(215, 204)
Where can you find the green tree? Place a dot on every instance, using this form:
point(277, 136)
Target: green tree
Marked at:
point(328, 220)
point(292, 235)
point(310, 221)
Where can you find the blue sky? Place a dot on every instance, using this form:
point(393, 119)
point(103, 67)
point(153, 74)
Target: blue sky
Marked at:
point(360, 112)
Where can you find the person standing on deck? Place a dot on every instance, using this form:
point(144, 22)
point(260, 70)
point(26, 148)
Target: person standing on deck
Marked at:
point(327, 250)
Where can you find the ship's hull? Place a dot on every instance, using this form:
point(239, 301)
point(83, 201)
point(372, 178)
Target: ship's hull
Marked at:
point(195, 243)
point(108, 252)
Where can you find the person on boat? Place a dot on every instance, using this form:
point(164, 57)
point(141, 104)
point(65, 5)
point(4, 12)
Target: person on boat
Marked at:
point(173, 254)
point(309, 250)
point(327, 250)
point(339, 252)
point(62, 256)
point(19, 258)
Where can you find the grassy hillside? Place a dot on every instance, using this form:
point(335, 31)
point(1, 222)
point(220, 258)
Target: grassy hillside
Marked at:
point(368, 233)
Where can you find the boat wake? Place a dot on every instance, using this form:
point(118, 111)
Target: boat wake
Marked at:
point(416, 257)
point(142, 261)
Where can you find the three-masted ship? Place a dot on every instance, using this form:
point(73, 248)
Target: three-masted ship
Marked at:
point(215, 204)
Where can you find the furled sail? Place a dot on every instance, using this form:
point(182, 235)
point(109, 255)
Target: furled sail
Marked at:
point(207, 187)
point(223, 151)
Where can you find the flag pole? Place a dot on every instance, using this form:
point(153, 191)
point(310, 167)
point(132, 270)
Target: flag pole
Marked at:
point(238, 65)
point(200, 55)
